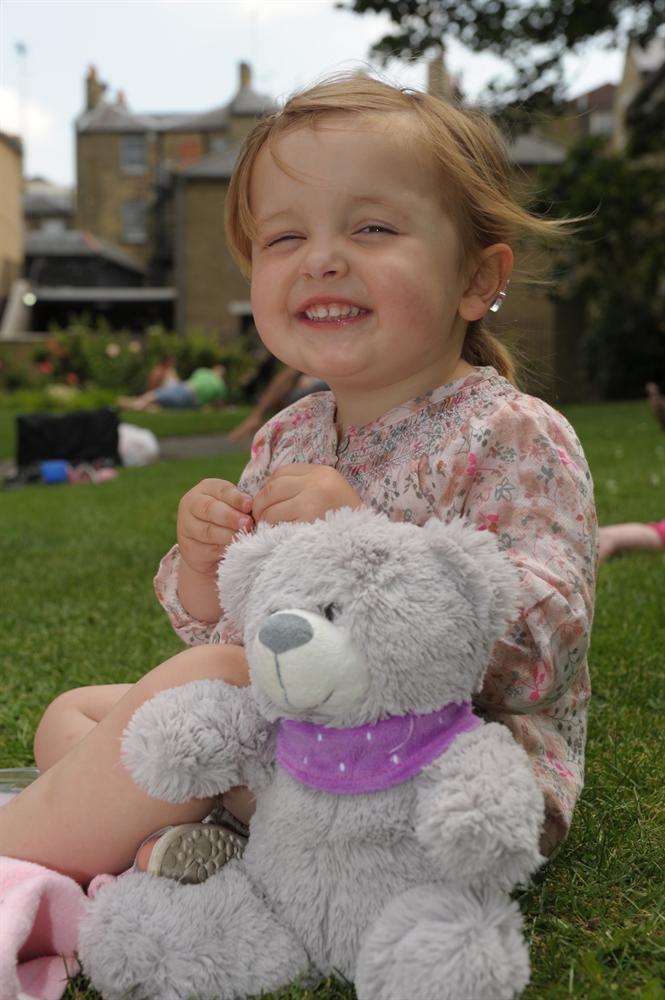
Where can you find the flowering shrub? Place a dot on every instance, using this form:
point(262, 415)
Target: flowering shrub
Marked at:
point(83, 356)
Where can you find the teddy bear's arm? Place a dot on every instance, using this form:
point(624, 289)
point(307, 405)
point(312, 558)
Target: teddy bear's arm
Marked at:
point(480, 811)
point(196, 741)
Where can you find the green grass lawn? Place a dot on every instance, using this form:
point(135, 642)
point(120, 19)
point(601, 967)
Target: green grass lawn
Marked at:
point(169, 423)
point(78, 608)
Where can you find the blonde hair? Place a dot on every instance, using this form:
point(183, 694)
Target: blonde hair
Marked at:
point(467, 148)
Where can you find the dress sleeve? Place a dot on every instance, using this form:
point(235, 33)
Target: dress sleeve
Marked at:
point(531, 486)
point(192, 631)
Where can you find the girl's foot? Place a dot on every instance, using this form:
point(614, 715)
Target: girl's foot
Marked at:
point(190, 853)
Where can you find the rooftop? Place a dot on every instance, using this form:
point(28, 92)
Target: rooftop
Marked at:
point(76, 243)
point(117, 117)
point(68, 293)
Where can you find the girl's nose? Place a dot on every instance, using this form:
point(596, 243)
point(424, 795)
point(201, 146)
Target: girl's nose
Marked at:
point(321, 262)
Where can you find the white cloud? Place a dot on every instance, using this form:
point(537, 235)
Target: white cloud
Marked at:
point(25, 118)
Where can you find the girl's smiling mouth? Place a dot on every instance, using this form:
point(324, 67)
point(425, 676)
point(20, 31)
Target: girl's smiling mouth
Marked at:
point(331, 320)
point(326, 310)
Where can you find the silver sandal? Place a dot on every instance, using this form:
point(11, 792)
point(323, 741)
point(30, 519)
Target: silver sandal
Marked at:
point(192, 852)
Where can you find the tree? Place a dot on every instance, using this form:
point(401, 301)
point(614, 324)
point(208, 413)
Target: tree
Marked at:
point(615, 268)
point(533, 35)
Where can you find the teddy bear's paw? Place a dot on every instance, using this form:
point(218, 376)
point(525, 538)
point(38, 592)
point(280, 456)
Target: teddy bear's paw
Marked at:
point(480, 810)
point(189, 742)
point(444, 942)
point(151, 938)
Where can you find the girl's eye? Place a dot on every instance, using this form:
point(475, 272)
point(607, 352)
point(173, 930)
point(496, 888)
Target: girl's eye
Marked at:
point(331, 611)
point(280, 238)
point(380, 228)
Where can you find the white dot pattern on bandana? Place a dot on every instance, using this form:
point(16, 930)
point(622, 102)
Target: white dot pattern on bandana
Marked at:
point(342, 767)
point(319, 737)
point(395, 759)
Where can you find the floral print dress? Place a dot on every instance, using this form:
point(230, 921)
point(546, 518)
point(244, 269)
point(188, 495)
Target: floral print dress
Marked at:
point(480, 449)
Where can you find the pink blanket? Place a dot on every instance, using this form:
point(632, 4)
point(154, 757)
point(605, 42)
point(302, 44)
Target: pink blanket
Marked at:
point(40, 911)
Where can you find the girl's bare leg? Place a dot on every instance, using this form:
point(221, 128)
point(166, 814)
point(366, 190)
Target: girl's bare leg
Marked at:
point(70, 717)
point(85, 815)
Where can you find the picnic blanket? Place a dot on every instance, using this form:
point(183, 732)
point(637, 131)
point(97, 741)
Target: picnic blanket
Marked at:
point(40, 912)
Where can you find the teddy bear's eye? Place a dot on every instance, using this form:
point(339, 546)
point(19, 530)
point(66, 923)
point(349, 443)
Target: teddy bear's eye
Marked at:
point(331, 611)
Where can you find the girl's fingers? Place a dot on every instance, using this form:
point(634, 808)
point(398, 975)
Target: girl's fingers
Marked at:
point(275, 491)
point(222, 490)
point(278, 513)
point(207, 533)
point(206, 508)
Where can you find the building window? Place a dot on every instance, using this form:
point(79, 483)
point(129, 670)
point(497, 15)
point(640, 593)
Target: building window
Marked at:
point(601, 123)
point(134, 222)
point(52, 226)
point(133, 154)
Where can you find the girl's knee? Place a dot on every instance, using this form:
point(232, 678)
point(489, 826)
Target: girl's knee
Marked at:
point(225, 663)
point(51, 724)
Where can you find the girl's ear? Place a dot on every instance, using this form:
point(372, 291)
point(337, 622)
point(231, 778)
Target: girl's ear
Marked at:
point(240, 566)
point(489, 277)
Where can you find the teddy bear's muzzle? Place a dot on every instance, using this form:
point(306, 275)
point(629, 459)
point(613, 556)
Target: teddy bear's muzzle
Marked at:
point(305, 664)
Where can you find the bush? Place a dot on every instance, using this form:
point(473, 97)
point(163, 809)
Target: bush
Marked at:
point(84, 356)
point(14, 375)
point(616, 265)
point(56, 398)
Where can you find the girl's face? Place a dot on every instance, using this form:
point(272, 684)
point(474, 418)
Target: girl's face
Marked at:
point(364, 227)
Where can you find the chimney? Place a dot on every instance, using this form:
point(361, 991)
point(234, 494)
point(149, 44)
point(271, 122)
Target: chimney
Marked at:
point(121, 100)
point(439, 82)
point(245, 75)
point(94, 89)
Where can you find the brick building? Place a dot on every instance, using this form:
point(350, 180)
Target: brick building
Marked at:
point(11, 229)
point(123, 159)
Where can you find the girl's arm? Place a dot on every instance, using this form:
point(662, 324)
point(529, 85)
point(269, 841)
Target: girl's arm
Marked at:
point(532, 487)
point(174, 578)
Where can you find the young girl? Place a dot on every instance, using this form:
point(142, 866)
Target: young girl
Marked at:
point(376, 226)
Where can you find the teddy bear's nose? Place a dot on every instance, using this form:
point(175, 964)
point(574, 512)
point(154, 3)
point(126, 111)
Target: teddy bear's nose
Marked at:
point(285, 631)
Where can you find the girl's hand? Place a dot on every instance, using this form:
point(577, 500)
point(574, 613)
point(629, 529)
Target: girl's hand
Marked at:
point(209, 516)
point(302, 492)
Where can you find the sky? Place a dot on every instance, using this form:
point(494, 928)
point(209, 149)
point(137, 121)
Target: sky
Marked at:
point(183, 55)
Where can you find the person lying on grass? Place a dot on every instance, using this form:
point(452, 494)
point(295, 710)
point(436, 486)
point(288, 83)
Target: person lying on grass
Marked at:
point(204, 387)
point(616, 538)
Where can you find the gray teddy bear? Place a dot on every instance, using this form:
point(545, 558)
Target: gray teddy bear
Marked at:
point(391, 822)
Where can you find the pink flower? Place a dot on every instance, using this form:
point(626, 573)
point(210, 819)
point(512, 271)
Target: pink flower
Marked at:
point(489, 522)
point(113, 350)
point(45, 367)
point(564, 459)
point(558, 766)
point(72, 378)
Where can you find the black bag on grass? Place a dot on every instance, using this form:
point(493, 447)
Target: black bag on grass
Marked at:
point(84, 436)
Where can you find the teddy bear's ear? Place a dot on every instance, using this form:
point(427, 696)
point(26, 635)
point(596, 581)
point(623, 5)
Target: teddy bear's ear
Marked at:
point(486, 574)
point(242, 563)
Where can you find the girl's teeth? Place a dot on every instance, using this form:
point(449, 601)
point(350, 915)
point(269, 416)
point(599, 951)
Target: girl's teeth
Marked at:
point(331, 312)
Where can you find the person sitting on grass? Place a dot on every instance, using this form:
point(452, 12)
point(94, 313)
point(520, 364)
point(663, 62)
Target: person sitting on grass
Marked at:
point(204, 387)
point(376, 240)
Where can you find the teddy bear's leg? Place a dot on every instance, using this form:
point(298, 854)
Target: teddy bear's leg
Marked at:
point(153, 939)
point(447, 942)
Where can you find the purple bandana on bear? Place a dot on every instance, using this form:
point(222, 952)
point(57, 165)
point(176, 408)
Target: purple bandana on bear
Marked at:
point(369, 758)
